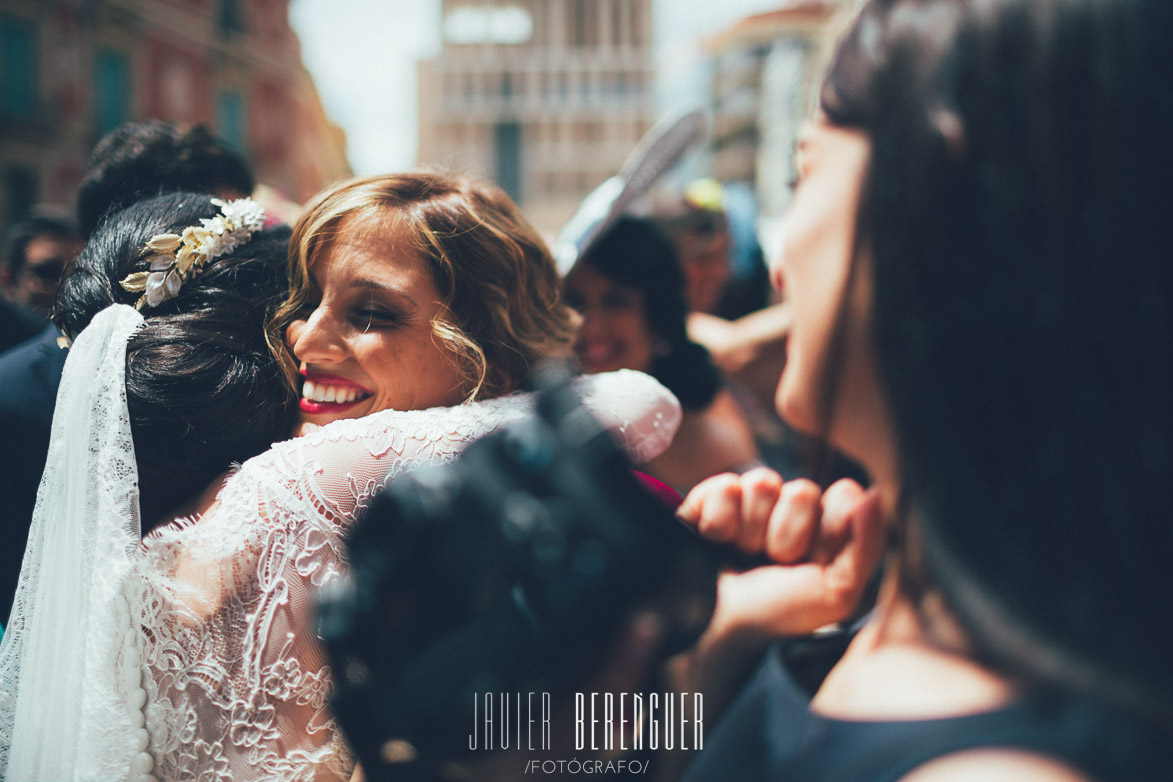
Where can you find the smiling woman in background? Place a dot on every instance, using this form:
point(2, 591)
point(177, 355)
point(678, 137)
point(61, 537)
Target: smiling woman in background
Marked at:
point(629, 289)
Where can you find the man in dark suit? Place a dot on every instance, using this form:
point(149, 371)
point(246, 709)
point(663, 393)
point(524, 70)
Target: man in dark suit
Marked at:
point(29, 374)
point(37, 252)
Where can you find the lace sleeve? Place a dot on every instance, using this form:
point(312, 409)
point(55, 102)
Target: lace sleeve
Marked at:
point(341, 465)
point(235, 677)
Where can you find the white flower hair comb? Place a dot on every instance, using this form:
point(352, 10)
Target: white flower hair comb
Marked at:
point(174, 258)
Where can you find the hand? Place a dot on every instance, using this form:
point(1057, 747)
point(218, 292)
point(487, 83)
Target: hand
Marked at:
point(820, 547)
point(824, 547)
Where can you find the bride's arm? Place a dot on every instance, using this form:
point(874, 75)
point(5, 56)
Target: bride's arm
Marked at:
point(339, 466)
point(249, 571)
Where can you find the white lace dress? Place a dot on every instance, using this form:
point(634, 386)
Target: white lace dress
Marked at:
point(233, 681)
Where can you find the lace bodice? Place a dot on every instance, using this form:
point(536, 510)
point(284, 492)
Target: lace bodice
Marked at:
point(235, 683)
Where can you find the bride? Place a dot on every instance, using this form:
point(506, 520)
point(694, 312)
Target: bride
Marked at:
point(189, 652)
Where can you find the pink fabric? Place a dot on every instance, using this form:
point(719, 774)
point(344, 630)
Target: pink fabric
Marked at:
point(660, 490)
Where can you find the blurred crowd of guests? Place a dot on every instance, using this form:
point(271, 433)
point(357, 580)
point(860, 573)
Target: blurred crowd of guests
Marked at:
point(680, 291)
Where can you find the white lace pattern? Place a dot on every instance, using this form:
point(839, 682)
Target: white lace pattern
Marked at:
point(236, 682)
point(70, 694)
point(193, 656)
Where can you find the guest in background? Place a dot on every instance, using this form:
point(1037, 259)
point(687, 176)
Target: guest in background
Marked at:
point(141, 159)
point(629, 289)
point(37, 252)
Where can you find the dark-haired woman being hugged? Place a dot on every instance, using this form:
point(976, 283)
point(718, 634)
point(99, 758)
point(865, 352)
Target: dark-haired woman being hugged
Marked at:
point(979, 254)
point(164, 623)
point(629, 290)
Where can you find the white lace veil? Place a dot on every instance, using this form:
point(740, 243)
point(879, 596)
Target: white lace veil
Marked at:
point(66, 711)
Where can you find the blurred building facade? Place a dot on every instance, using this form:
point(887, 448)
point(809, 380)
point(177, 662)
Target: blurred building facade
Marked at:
point(545, 97)
point(70, 70)
point(764, 77)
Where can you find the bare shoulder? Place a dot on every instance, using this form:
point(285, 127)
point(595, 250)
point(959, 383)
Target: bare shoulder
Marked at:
point(1005, 765)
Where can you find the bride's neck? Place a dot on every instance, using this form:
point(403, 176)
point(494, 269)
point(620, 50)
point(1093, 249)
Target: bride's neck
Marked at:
point(899, 667)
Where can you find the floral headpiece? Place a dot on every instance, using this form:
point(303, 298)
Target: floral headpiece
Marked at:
point(175, 258)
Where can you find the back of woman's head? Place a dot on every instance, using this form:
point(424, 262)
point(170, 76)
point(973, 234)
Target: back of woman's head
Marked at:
point(137, 160)
point(202, 388)
point(1014, 221)
point(499, 288)
point(636, 254)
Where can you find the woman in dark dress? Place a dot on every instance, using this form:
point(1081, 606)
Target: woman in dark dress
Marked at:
point(629, 290)
point(978, 252)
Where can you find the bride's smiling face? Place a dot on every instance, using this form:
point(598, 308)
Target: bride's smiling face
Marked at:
point(365, 341)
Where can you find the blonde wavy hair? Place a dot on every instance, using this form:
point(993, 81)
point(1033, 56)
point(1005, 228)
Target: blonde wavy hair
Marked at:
point(500, 292)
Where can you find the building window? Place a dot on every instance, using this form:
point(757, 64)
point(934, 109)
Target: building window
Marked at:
point(508, 25)
point(111, 90)
point(507, 154)
point(20, 193)
point(230, 119)
point(178, 90)
point(18, 68)
point(230, 17)
point(580, 23)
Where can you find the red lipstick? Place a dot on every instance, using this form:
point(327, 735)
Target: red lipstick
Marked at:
point(315, 380)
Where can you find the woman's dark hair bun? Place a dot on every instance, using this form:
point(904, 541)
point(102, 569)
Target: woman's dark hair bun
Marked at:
point(203, 390)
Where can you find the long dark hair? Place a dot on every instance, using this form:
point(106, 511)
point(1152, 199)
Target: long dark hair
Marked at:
point(1015, 215)
point(202, 387)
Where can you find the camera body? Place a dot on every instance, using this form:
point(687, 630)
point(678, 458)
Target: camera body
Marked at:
point(512, 569)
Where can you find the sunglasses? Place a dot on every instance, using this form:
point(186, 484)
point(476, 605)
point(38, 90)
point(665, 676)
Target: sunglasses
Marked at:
point(49, 270)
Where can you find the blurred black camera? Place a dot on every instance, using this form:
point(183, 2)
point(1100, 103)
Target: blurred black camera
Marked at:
point(510, 570)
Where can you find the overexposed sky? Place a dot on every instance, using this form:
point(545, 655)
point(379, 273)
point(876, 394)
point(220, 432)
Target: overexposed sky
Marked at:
point(362, 55)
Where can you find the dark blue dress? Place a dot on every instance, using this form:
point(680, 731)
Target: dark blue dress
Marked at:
point(770, 734)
